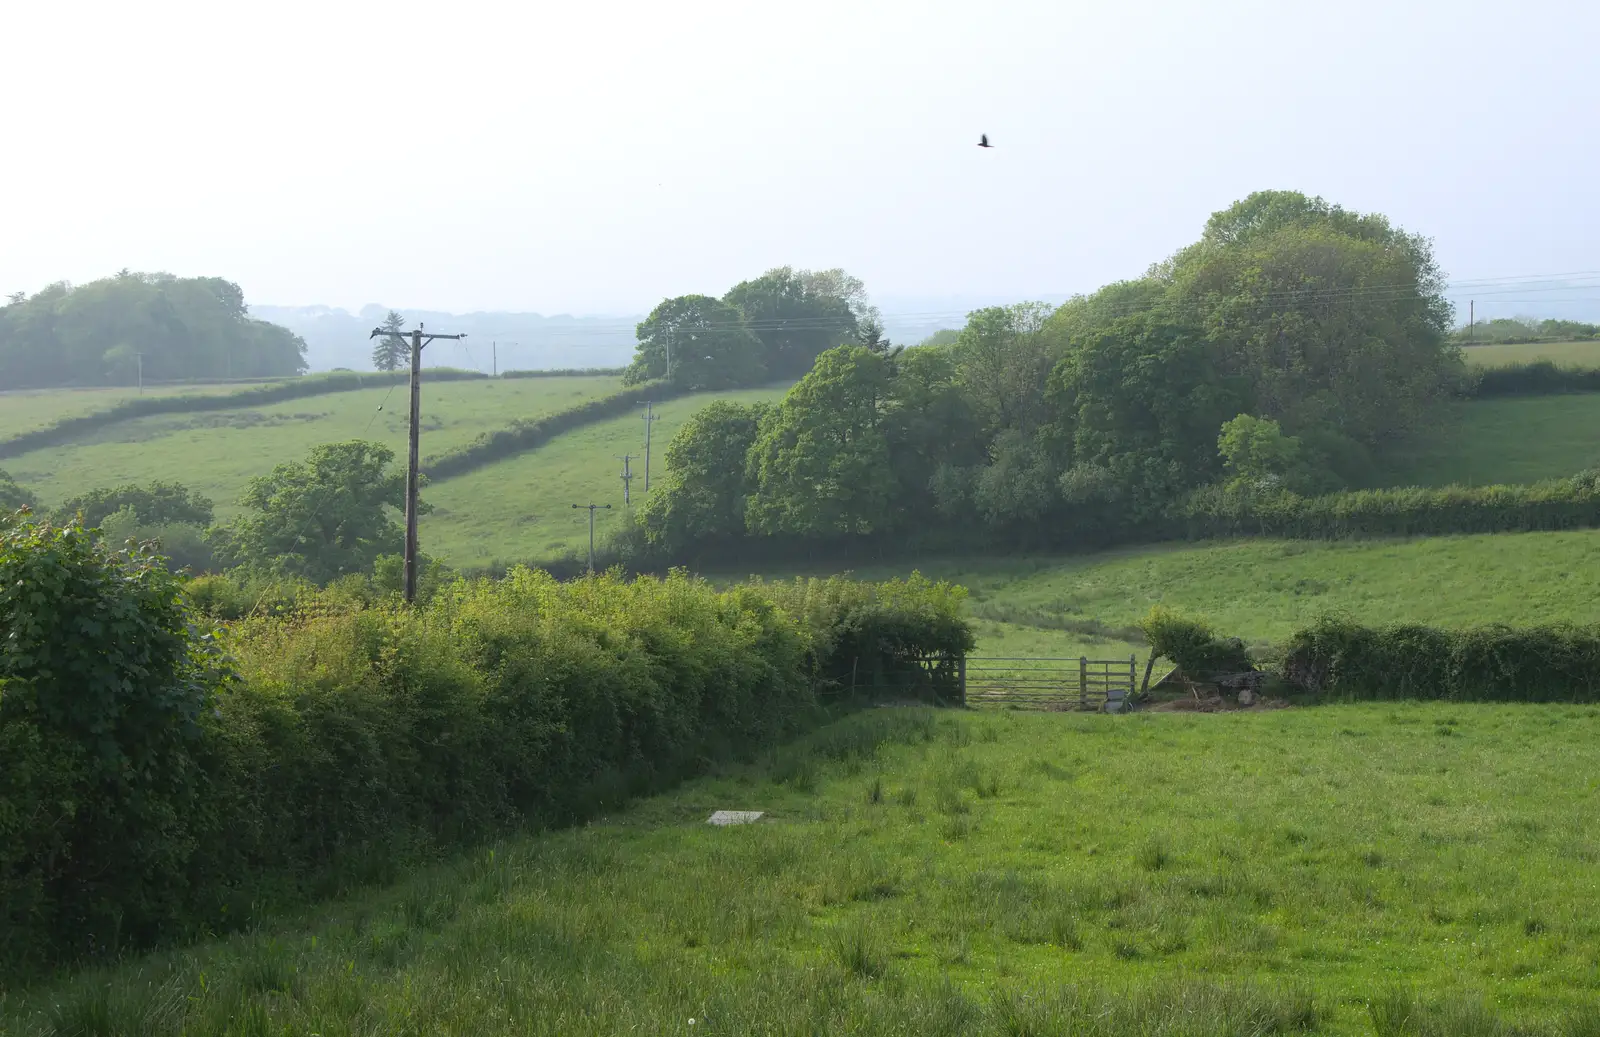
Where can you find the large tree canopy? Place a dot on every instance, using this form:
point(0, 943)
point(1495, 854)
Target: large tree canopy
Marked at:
point(168, 328)
point(697, 342)
point(704, 491)
point(798, 314)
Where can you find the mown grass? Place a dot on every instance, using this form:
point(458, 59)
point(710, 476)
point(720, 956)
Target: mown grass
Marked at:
point(24, 410)
point(1263, 590)
point(1580, 354)
point(520, 509)
point(218, 453)
point(1514, 440)
point(1393, 869)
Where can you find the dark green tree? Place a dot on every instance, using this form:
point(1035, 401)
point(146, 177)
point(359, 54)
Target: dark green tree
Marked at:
point(798, 314)
point(704, 492)
point(154, 504)
point(331, 514)
point(388, 353)
point(703, 340)
point(820, 465)
point(13, 496)
point(1004, 357)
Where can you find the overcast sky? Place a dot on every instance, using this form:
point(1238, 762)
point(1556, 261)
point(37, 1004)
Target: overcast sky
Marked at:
point(594, 157)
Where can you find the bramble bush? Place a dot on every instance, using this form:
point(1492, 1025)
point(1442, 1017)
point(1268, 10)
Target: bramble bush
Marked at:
point(349, 735)
point(1344, 660)
point(1191, 644)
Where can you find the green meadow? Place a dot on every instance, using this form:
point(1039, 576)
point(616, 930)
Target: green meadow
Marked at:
point(23, 410)
point(1578, 354)
point(1514, 440)
point(1363, 869)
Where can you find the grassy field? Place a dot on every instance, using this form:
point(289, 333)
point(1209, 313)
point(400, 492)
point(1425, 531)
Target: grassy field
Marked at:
point(520, 509)
point(1393, 869)
point(218, 453)
point(1515, 440)
point(1578, 354)
point(1262, 590)
point(24, 410)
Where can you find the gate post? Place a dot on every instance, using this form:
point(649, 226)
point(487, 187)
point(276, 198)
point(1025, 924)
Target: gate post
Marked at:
point(1083, 682)
point(961, 676)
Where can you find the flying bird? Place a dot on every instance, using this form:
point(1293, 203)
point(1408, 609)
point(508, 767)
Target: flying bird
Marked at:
point(983, 141)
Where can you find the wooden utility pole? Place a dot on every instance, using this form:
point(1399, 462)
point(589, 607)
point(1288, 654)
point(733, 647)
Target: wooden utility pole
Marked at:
point(1472, 320)
point(140, 358)
point(627, 476)
point(650, 418)
point(418, 340)
point(592, 508)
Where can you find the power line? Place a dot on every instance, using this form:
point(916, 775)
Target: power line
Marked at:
point(627, 476)
point(592, 508)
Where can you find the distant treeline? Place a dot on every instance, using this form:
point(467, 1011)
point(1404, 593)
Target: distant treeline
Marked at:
point(277, 392)
point(1513, 331)
point(566, 372)
point(160, 327)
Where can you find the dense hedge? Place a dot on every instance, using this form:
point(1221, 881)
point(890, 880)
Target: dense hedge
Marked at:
point(565, 372)
point(1554, 504)
point(277, 392)
point(1343, 660)
point(1538, 378)
point(521, 436)
point(151, 791)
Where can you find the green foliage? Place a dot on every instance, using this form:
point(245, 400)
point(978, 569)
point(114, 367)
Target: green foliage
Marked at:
point(821, 463)
point(1256, 453)
point(800, 314)
point(1003, 356)
point(1535, 378)
point(155, 504)
point(1409, 511)
point(104, 684)
point(705, 490)
point(181, 545)
point(184, 328)
point(324, 517)
point(13, 496)
point(1191, 644)
point(697, 342)
point(68, 429)
point(1344, 660)
point(932, 426)
point(1516, 330)
point(565, 372)
point(389, 353)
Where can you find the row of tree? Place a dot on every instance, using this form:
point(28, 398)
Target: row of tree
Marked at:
point(773, 327)
point(155, 326)
point(1290, 346)
point(1524, 329)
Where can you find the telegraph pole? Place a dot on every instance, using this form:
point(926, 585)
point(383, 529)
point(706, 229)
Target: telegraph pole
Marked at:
point(494, 360)
point(140, 358)
point(627, 476)
point(1472, 320)
point(418, 340)
point(650, 418)
point(592, 508)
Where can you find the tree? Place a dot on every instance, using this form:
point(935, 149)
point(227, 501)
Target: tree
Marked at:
point(324, 517)
point(1256, 453)
point(929, 424)
point(1337, 319)
point(1004, 357)
point(388, 352)
point(704, 492)
point(820, 465)
point(1139, 408)
point(696, 342)
point(155, 504)
point(183, 328)
point(798, 314)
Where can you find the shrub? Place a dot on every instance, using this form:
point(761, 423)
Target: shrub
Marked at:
point(1344, 660)
point(1537, 378)
point(1191, 645)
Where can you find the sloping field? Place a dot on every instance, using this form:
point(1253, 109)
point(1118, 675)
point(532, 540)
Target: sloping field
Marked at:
point(1513, 440)
point(218, 452)
point(1263, 590)
point(24, 410)
point(1337, 870)
point(1578, 354)
point(520, 509)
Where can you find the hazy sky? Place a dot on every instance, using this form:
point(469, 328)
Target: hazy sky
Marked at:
point(595, 157)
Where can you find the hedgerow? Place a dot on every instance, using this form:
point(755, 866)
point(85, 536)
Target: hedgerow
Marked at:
point(1344, 660)
point(1537, 378)
point(566, 372)
point(154, 788)
point(145, 406)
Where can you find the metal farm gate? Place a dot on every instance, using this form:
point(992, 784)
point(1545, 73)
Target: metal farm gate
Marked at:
point(1058, 684)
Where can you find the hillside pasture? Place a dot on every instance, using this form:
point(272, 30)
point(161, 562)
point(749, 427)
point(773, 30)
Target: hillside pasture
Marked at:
point(520, 509)
point(217, 453)
point(1579, 354)
point(1511, 440)
point(23, 410)
point(1331, 870)
point(1263, 590)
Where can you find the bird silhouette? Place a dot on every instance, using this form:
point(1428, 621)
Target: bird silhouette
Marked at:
point(983, 141)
